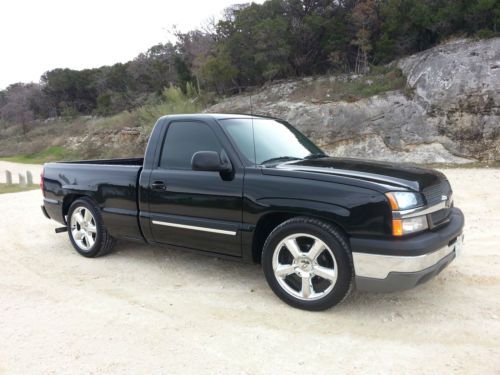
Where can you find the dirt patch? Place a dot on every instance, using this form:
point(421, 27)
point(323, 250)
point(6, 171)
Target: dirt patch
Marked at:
point(151, 310)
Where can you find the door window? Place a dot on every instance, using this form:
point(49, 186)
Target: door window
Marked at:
point(183, 140)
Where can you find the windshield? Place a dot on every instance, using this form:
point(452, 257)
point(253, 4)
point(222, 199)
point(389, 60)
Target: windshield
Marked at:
point(274, 141)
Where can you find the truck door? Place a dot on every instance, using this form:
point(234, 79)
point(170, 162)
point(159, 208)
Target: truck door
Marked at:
point(194, 209)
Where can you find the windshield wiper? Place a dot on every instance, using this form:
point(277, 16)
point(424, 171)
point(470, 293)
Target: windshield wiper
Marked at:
point(280, 158)
point(316, 156)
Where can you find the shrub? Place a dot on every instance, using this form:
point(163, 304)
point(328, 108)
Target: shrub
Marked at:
point(173, 101)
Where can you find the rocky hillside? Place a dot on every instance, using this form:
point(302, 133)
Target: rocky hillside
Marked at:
point(447, 112)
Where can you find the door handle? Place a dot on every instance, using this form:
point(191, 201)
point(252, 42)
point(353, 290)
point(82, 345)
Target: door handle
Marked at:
point(158, 185)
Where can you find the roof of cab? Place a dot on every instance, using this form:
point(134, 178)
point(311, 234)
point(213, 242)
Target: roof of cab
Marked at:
point(216, 116)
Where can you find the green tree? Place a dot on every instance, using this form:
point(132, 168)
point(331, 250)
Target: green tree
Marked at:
point(219, 72)
point(67, 88)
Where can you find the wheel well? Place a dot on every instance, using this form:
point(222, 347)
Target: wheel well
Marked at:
point(68, 200)
point(270, 221)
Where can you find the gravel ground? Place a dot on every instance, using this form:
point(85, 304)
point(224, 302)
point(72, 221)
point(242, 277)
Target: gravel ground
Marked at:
point(152, 310)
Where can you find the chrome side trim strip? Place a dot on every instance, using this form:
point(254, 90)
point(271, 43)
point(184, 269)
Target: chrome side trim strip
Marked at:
point(202, 229)
point(379, 266)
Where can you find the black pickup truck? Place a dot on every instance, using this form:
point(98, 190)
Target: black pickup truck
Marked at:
point(256, 189)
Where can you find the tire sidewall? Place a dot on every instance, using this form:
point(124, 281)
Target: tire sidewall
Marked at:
point(342, 259)
point(94, 250)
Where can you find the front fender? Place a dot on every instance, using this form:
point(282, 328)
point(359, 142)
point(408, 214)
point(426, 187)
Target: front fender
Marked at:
point(299, 207)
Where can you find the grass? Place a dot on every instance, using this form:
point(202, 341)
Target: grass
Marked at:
point(5, 189)
point(53, 153)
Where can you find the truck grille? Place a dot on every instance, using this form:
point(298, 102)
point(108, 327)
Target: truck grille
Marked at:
point(434, 195)
point(439, 217)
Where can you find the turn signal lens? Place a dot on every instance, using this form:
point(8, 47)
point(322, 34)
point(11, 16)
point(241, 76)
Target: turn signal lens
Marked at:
point(392, 201)
point(397, 227)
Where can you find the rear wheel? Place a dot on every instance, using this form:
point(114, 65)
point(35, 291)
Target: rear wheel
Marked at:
point(306, 263)
point(86, 230)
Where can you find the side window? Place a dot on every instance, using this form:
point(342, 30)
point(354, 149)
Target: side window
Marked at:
point(183, 140)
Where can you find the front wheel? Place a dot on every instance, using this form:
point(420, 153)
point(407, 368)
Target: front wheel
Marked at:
point(306, 263)
point(86, 229)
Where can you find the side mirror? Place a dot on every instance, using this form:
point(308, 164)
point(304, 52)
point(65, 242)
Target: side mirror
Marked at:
point(211, 161)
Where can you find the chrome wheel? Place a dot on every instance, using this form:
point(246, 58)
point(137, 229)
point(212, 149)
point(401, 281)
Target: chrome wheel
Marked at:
point(305, 267)
point(83, 228)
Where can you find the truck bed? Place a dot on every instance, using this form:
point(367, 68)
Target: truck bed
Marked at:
point(111, 183)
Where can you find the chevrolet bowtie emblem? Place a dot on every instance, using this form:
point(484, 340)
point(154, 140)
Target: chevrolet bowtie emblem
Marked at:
point(448, 200)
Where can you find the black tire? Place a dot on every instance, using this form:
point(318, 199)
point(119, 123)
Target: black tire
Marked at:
point(103, 242)
point(335, 241)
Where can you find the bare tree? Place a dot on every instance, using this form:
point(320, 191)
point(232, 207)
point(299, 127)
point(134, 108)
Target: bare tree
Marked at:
point(19, 102)
point(364, 16)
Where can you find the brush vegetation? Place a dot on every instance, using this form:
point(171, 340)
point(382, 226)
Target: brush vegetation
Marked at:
point(75, 138)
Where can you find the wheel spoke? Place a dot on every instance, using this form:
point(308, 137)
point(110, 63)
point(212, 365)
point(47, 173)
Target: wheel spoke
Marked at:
point(79, 218)
point(316, 249)
point(89, 239)
point(293, 247)
point(77, 234)
point(88, 216)
point(326, 273)
point(284, 270)
point(91, 228)
point(307, 288)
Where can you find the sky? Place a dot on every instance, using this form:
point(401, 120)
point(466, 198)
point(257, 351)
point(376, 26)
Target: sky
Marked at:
point(36, 36)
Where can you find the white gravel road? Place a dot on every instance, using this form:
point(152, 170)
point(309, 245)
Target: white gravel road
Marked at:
point(148, 310)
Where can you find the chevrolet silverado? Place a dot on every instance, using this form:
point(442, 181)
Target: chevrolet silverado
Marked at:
point(255, 189)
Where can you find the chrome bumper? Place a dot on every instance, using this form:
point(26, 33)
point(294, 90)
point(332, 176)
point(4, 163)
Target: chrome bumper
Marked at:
point(389, 273)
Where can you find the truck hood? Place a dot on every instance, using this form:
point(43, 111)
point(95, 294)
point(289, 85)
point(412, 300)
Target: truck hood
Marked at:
point(400, 175)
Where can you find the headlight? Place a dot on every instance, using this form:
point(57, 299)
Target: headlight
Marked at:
point(415, 224)
point(404, 200)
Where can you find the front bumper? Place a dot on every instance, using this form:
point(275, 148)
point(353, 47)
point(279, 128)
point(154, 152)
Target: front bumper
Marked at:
point(391, 265)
